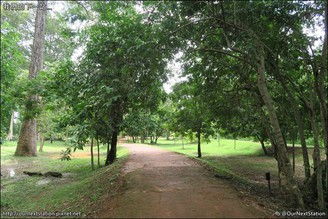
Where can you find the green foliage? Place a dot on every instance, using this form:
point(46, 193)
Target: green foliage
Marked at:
point(145, 124)
point(66, 155)
point(11, 60)
point(191, 112)
point(119, 72)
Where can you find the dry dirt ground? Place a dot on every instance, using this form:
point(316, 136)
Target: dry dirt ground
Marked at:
point(163, 184)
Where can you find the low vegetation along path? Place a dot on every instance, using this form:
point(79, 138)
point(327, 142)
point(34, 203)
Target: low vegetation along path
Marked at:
point(159, 183)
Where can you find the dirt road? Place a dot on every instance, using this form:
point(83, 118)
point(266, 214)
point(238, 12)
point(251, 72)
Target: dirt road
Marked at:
point(163, 184)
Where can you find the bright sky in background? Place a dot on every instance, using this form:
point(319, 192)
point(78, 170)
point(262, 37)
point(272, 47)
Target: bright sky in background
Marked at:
point(175, 76)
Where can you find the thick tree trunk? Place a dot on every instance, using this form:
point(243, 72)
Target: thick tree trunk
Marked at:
point(267, 130)
point(27, 139)
point(320, 76)
point(11, 128)
point(199, 151)
point(312, 184)
point(266, 126)
point(320, 191)
point(324, 75)
point(316, 156)
point(289, 184)
point(111, 156)
point(26, 145)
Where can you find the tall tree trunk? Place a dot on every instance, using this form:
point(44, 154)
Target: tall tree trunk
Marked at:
point(317, 164)
point(316, 152)
point(293, 152)
point(11, 127)
point(324, 75)
point(289, 184)
point(91, 151)
point(320, 192)
point(267, 129)
point(98, 152)
point(272, 140)
point(26, 145)
point(300, 126)
point(320, 77)
point(199, 151)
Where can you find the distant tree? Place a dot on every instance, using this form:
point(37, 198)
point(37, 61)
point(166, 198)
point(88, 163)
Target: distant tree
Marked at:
point(192, 113)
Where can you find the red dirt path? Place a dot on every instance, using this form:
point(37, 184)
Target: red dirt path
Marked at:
point(163, 184)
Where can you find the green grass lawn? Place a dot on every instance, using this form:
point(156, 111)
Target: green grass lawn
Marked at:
point(77, 191)
point(224, 147)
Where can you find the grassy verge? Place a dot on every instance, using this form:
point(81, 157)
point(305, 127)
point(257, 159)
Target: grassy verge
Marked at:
point(242, 162)
point(80, 189)
point(230, 159)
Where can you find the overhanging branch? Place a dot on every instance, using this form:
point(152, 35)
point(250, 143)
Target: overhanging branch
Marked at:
point(226, 53)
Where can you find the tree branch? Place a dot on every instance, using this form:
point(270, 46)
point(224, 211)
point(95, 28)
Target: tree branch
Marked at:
point(80, 4)
point(189, 23)
point(226, 53)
